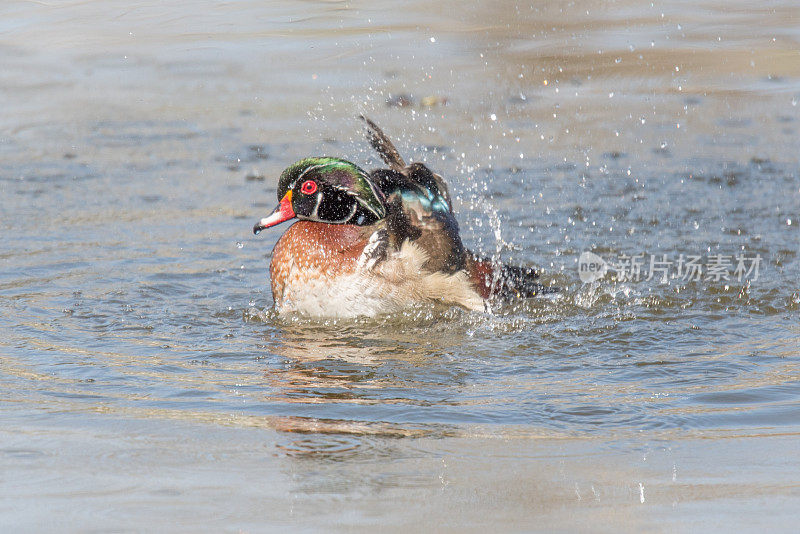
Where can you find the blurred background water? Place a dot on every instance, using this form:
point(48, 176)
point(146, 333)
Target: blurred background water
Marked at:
point(146, 385)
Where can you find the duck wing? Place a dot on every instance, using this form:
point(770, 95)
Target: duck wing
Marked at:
point(383, 146)
point(419, 210)
point(418, 206)
point(427, 180)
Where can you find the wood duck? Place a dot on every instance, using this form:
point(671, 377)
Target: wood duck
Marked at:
point(378, 242)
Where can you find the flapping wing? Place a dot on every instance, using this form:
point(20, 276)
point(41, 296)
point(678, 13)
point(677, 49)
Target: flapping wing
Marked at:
point(378, 140)
point(418, 205)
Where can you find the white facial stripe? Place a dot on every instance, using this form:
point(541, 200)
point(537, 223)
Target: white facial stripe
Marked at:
point(352, 212)
point(308, 169)
point(316, 206)
point(375, 213)
point(376, 195)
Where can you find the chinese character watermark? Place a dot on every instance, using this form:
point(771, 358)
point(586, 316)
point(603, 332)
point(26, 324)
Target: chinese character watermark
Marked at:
point(662, 268)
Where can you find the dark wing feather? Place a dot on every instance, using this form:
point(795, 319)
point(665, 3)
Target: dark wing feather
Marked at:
point(412, 215)
point(384, 147)
point(417, 205)
point(430, 183)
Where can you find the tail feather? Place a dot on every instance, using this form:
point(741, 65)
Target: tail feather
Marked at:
point(494, 280)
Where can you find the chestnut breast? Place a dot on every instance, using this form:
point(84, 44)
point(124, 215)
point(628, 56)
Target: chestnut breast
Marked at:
point(314, 250)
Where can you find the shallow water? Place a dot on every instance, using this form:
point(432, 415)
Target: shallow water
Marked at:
point(147, 385)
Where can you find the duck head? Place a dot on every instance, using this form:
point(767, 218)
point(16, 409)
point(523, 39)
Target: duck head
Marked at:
point(328, 190)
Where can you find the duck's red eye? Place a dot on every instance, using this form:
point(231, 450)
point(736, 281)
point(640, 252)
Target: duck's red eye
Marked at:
point(309, 187)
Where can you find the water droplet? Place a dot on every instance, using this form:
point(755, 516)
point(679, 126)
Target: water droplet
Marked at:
point(433, 39)
point(493, 117)
point(239, 244)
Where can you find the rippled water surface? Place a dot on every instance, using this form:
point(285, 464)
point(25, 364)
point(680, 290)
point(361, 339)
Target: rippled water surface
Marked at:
point(145, 384)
